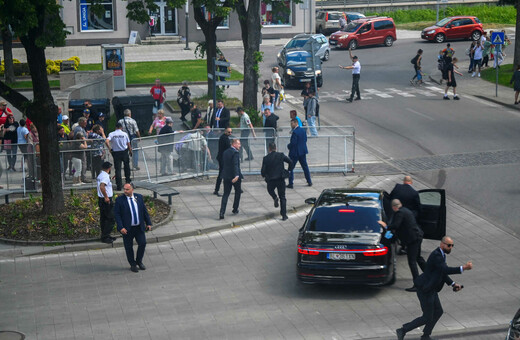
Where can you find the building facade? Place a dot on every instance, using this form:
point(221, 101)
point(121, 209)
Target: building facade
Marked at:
point(114, 27)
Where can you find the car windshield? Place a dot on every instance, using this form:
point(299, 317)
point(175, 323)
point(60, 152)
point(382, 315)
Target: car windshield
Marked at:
point(352, 27)
point(296, 43)
point(334, 16)
point(345, 219)
point(443, 22)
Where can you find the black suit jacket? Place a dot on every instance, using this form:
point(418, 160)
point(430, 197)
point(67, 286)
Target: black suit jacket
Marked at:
point(408, 196)
point(123, 214)
point(231, 163)
point(436, 273)
point(404, 224)
point(273, 167)
point(225, 116)
point(223, 144)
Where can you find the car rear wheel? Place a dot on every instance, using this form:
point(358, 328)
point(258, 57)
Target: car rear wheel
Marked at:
point(353, 44)
point(440, 38)
point(389, 41)
point(326, 56)
point(476, 35)
point(320, 29)
point(394, 269)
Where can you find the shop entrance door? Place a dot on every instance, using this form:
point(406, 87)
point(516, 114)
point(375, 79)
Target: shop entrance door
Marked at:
point(165, 20)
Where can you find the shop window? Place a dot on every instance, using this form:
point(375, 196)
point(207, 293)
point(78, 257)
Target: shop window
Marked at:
point(89, 22)
point(276, 13)
point(224, 24)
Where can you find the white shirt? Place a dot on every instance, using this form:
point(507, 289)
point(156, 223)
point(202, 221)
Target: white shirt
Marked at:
point(274, 77)
point(119, 140)
point(132, 200)
point(104, 177)
point(478, 52)
point(357, 68)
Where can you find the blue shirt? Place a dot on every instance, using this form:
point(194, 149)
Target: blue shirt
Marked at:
point(22, 132)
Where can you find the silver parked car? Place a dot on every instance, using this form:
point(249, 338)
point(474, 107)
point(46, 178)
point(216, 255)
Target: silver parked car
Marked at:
point(303, 42)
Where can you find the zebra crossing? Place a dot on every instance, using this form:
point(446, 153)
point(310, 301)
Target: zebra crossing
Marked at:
point(366, 94)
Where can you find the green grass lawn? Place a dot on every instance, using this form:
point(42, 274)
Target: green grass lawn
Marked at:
point(504, 74)
point(27, 84)
point(174, 71)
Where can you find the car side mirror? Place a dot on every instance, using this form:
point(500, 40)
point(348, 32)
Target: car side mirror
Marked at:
point(311, 200)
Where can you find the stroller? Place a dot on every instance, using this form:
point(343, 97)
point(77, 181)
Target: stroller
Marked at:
point(514, 328)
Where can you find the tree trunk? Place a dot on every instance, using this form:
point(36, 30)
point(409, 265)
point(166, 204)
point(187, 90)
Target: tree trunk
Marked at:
point(43, 112)
point(209, 29)
point(516, 58)
point(7, 41)
point(251, 34)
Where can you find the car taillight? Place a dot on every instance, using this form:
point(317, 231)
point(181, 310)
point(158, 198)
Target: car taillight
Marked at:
point(376, 252)
point(326, 17)
point(307, 251)
point(346, 210)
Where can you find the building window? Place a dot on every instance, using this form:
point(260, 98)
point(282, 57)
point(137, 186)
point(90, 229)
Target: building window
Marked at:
point(276, 13)
point(89, 22)
point(224, 24)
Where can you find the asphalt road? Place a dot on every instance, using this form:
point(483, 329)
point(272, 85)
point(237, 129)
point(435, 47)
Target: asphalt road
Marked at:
point(399, 121)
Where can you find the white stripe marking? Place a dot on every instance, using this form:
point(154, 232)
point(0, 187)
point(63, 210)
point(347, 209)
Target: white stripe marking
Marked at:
point(418, 113)
point(401, 93)
point(378, 93)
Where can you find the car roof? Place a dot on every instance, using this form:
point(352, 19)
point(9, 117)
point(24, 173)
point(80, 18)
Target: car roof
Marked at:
point(461, 17)
point(306, 35)
point(370, 19)
point(329, 11)
point(349, 195)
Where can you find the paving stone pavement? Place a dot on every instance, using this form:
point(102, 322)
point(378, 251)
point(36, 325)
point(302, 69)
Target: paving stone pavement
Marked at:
point(240, 283)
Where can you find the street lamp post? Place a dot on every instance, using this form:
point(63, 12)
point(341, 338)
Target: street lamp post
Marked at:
point(187, 17)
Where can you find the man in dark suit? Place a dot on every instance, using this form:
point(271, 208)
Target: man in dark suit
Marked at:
point(271, 121)
point(232, 177)
point(223, 144)
point(220, 120)
point(403, 224)
point(408, 196)
point(132, 220)
point(273, 172)
point(429, 284)
point(298, 151)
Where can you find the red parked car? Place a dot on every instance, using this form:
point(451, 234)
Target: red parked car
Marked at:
point(365, 32)
point(460, 27)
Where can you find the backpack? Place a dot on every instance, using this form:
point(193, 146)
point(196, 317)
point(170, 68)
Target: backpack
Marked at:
point(414, 59)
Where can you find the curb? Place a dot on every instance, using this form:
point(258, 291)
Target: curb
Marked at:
point(496, 101)
point(453, 334)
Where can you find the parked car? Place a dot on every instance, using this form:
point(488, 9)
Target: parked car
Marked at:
point(328, 21)
point(303, 42)
point(296, 68)
point(365, 32)
point(459, 27)
point(341, 241)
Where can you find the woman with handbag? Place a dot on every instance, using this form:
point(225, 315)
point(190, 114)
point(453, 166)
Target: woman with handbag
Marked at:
point(9, 141)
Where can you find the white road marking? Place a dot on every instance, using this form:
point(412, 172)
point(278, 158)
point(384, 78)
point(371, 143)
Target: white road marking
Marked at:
point(425, 93)
point(378, 93)
point(418, 113)
point(434, 88)
point(399, 92)
point(515, 113)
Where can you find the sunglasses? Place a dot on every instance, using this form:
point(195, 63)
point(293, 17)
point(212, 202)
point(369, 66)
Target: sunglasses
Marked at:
point(450, 245)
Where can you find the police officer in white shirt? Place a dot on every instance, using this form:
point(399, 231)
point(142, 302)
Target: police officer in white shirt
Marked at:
point(105, 193)
point(356, 71)
point(121, 151)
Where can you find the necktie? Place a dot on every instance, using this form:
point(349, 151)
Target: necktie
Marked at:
point(444, 255)
point(134, 212)
point(218, 116)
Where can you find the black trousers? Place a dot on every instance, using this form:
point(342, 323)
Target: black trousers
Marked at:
point(128, 241)
point(355, 86)
point(279, 185)
point(106, 217)
point(227, 191)
point(97, 163)
point(244, 140)
point(121, 156)
point(219, 177)
point(413, 252)
point(432, 312)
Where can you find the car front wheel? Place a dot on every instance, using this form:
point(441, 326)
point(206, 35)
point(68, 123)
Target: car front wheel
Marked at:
point(353, 44)
point(389, 41)
point(476, 35)
point(440, 38)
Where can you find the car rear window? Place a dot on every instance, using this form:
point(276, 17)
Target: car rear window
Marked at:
point(296, 43)
point(333, 16)
point(476, 20)
point(383, 24)
point(345, 219)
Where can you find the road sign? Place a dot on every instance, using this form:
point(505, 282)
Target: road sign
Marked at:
point(222, 63)
point(210, 76)
point(224, 83)
point(222, 74)
point(498, 38)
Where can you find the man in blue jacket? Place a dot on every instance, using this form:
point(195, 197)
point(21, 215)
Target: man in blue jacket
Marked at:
point(429, 284)
point(132, 220)
point(298, 151)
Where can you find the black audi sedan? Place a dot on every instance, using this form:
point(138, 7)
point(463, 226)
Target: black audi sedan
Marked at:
point(341, 241)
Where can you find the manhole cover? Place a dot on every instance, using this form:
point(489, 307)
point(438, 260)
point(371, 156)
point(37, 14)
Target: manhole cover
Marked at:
point(11, 335)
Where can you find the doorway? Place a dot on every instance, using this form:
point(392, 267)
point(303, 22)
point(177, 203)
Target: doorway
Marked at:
point(165, 20)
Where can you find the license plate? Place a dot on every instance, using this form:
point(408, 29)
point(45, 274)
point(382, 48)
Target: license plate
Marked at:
point(341, 256)
point(304, 80)
point(332, 42)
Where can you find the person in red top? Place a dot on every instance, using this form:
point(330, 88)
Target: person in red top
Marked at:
point(4, 112)
point(158, 93)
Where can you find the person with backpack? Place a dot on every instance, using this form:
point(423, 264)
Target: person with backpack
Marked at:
point(184, 99)
point(416, 61)
point(450, 71)
point(470, 54)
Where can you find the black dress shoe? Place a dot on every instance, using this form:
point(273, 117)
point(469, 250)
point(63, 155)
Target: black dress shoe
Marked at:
point(216, 193)
point(107, 240)
point(309, 184)
point(427, 337)
point(349, 100)
point(221, 217)
point(358, 98)
point(276, 205)
point(235, 212)
point(400, 333)
point(289, 186)
point(141, 266)
point(134, 269)
point(113, 238)
point(285, 218)
point(248, 159)
point(411, 289)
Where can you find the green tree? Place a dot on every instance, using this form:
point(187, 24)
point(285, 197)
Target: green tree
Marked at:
point(516, 4)
point(7, 46)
